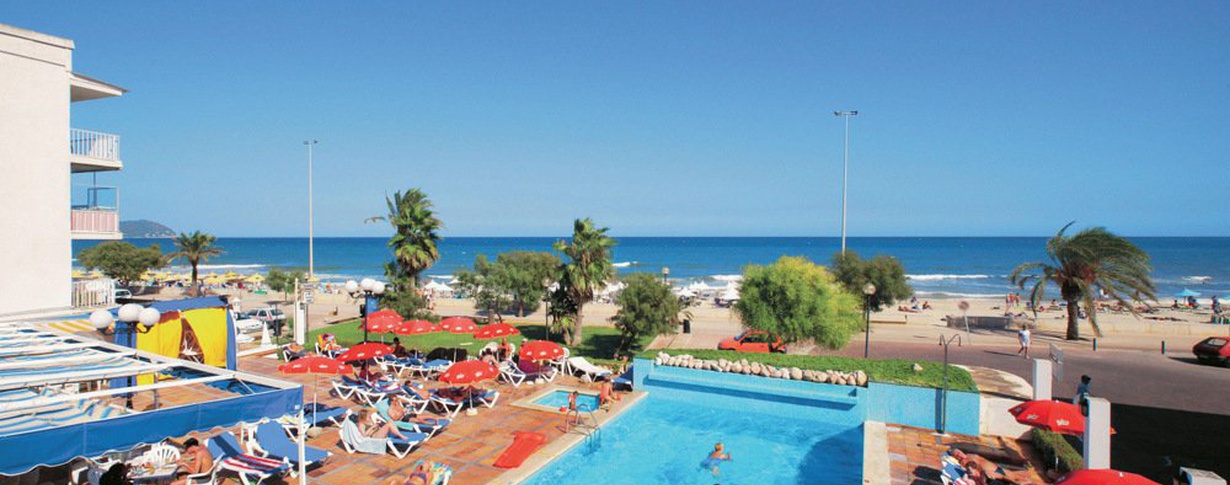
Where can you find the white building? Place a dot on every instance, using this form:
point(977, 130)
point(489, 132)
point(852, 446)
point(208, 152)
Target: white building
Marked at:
point(41, 212)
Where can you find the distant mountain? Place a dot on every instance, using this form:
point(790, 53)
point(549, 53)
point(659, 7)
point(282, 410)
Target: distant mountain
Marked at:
point(144, 228)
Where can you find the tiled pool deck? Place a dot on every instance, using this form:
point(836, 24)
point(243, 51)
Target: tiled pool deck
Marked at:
point(914, 454)
point(470, 445)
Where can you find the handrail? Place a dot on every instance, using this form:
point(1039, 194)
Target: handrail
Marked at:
point(94, 144)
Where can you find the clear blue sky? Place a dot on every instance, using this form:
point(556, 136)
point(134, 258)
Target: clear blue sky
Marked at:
point(663, 118)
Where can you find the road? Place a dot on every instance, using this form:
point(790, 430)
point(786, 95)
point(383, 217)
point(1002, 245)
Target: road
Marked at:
point(1166, 409)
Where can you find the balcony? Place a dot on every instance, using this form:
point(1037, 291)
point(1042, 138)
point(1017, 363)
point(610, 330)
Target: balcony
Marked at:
point(96, 212)
point(93, 151)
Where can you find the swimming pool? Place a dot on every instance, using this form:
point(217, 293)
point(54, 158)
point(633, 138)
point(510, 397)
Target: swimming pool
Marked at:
point(559, 398)
point(663, 439)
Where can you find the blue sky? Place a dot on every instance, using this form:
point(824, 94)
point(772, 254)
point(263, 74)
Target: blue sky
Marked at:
point(663, 118)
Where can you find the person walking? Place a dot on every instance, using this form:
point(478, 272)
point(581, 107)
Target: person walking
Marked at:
point(1023, 337)
point(1082, 391)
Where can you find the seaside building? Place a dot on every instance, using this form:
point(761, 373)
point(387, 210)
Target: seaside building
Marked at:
point(40, 153)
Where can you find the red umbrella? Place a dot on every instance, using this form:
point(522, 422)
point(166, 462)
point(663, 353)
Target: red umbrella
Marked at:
point(314, 364)
point(1057, 416)
point(415, 327)
point(369, 350)
point(458, 325)
point(541, 350)
point(382, 321)
point(469, 372)
point(1103, 477)
point(496, 330)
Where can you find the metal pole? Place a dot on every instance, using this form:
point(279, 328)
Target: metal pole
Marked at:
point(366, 314)
point(302, 447)
point(867, 334)
point(845, 169)
point(311, 241)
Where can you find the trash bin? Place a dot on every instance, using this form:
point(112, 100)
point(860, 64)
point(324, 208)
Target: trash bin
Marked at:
point(687, 326)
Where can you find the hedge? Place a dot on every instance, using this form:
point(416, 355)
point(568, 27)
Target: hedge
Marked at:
point(888, 371)
point(1056, 451)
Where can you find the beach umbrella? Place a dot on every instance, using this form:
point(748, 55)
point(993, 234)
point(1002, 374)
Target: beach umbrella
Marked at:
point(381, 321)
point(415, 327)
point(230, 275)
point(364, 351)
point(496, 330)
point(541, 350)
point(1057, 416)
point(315, 365)
point(1103, 476)
point(1186, 293)
point(256, 278)
point(78, 274)
point(458, 325)
point(469, 372)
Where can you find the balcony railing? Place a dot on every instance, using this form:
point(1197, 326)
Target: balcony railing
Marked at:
point(93, 293)
point(95, 211)
point(94, 144)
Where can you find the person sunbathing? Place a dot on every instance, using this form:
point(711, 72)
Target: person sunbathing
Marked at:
point(195, 460)
point(980, 466)
point(372, 430)
point(424, 473)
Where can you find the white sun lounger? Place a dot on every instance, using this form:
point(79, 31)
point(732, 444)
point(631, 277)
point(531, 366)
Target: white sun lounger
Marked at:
point(579, 365)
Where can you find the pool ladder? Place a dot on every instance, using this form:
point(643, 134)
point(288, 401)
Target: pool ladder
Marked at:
point(590, 428)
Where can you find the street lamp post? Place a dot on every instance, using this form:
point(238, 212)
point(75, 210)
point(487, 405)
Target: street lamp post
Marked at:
point(869, 290)
point(845, 169)
point(368, 288)
point(311, 242)
point(132, 319)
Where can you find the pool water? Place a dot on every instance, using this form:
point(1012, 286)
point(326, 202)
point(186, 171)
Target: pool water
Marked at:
point(559, 398)
point(664, 439)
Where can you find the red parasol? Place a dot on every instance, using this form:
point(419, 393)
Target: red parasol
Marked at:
point(541, 350)
point(315, 364)
point(469, 372)
point(458, 325)
point(496, 330)
point(1057, 416)
point(382, 321)
point(1103, 477)
point(415, 327)
point(369, 350)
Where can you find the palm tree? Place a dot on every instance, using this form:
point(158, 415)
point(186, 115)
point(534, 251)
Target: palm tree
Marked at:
point(196, 248)
point(416, 236)
point(1092, 261)
point(589, 267)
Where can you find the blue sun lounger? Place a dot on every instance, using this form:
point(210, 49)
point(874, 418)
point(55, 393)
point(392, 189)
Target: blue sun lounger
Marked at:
point(273, 443)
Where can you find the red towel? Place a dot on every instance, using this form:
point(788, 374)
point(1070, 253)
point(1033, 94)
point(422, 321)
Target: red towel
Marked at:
point(524, 444)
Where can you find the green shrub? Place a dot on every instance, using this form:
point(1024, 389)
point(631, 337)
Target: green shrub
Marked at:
point(888, 371)
point(1056, 451)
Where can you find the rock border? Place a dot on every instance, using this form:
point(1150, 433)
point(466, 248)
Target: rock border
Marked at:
point(856, 378)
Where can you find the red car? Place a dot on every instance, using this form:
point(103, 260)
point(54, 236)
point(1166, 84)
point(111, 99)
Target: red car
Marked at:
point(753, 341)
point(1213, 350)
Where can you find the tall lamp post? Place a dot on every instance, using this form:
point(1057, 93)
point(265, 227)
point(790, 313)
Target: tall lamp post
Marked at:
point(302, 328)
point(869, 290)
point(845, 169)
point(133, 319)
point(368, 288)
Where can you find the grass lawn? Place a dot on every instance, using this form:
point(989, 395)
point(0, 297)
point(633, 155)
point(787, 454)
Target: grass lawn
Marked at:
point(890, 371)
point(598, 343)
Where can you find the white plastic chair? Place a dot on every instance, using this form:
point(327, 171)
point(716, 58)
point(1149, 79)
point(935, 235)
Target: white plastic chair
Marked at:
point(162, 454)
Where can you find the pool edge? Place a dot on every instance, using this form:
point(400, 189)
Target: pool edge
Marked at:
point(561, 446)
point(876, 467)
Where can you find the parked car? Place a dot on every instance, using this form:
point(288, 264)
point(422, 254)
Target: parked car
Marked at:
point(122, 293)
point(1213, 350)
point(272, 317)
point(753, 341)
point(244, 322)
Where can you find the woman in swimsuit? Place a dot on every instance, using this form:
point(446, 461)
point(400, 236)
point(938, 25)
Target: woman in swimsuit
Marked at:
point(372, 430)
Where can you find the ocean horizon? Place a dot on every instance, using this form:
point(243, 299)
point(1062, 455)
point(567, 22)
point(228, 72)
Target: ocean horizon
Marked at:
point(938, 267)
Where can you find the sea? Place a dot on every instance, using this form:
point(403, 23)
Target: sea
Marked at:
point(937, 267)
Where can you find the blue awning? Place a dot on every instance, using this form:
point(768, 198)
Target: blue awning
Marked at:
point(41, 425)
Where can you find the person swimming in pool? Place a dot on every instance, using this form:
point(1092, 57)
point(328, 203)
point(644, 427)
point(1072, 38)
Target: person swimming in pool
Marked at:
point(716, 458)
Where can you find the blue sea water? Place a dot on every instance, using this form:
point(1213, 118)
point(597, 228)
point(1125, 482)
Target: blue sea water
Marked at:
point(938, 266)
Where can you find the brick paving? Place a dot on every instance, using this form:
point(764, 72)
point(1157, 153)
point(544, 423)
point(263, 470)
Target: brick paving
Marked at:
point(470, 445)
point(914, 454)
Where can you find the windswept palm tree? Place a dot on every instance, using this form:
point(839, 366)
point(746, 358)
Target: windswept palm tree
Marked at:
point(196, 248)
point(588, 268)
point(416, 236)
point(1092, 261)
